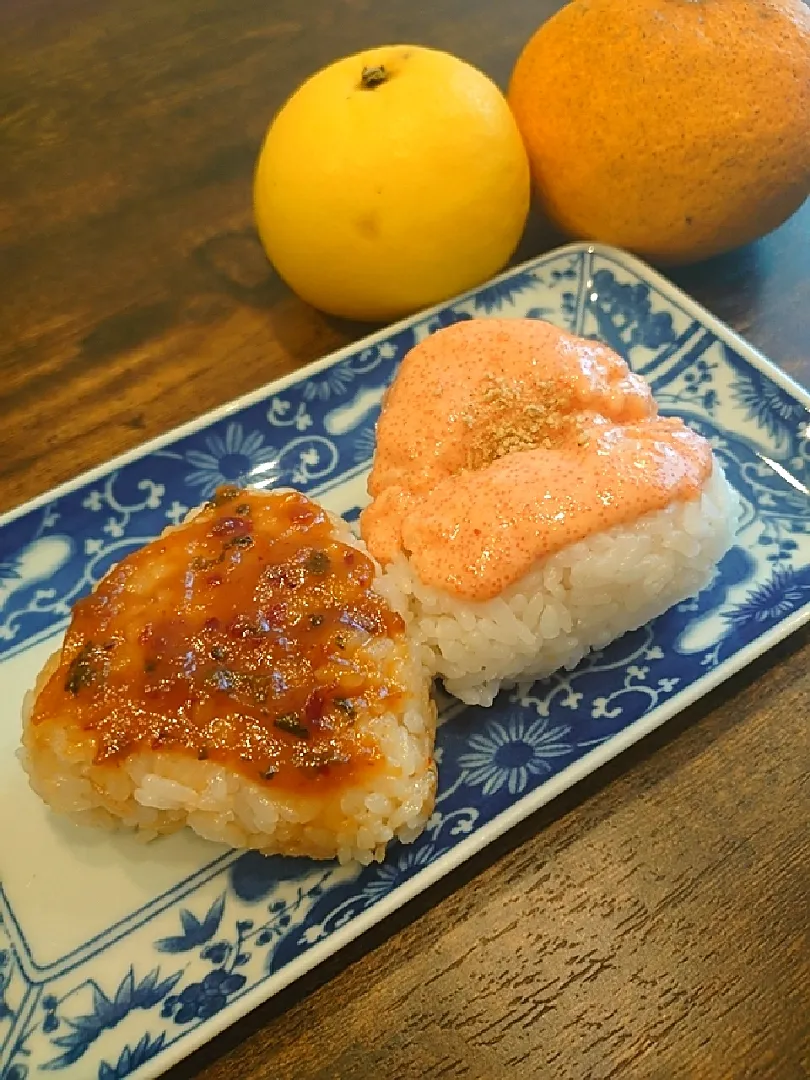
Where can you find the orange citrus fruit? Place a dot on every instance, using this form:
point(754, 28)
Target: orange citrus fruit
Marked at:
point(675, 128)
point(389, 181)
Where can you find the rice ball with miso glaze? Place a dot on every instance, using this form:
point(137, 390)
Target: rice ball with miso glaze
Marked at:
point(243, 676)
point(531, 503)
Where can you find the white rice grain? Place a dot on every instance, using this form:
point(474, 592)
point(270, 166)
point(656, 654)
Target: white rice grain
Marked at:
point(159, 792)
point(578, 599)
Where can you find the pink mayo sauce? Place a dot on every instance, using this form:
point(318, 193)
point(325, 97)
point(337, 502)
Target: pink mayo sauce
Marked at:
point(502, 441)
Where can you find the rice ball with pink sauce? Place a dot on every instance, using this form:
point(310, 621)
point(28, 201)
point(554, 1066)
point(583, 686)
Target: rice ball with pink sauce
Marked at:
point(531, 504)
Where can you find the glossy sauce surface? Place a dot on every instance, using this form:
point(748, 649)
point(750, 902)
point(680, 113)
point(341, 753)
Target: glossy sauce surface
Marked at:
point(502, 441)
point(240, 637)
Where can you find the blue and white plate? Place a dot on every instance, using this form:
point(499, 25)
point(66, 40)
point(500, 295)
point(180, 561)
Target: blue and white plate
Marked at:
point(118, 958)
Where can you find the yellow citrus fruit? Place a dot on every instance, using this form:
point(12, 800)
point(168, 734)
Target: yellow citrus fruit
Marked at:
point(389, 181)
point(677, 129)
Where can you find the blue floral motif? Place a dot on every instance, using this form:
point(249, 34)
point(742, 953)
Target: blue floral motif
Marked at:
point(204, 999)
point(282, 414)
point(491, 299)
point(768, 405)
point(336, 380)
point(512, 752)
point(332, 383)
point(129, 1060)
point(253, 876)
point(196, 953)
point(105, 1012)
point(232, 458)
point(787, 590)
point(380, 880)
point(343, 903)
point(363, 445)
point(196, 932)
point(635, 682)
point(698, 388)
point(447, 317)
point(625, 315)
point(571, 272)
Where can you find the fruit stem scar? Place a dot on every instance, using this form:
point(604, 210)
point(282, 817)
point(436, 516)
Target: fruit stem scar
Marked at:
point(373, 76)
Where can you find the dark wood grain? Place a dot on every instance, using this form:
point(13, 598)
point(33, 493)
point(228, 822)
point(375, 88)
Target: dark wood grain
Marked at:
point(653, 923)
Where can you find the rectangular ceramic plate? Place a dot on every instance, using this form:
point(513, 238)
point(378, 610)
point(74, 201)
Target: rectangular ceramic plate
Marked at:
point(117, 959)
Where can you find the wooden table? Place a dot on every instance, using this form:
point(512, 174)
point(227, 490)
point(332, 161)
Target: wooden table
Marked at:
point(652, 923)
